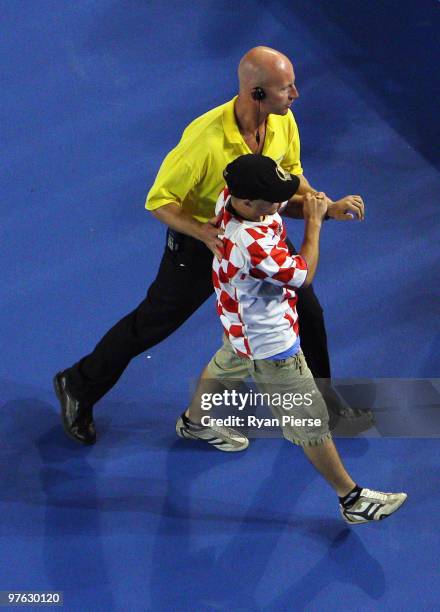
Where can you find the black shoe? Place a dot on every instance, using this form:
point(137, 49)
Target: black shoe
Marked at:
point(347, 421)
point(344, 420)
point(76, 416)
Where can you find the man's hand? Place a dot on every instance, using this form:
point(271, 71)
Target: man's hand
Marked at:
point(208, 233)
point(341, 209)
point(315, 206)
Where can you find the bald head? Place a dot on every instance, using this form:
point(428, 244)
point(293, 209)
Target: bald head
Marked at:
point(260, 66)
point(273, 72)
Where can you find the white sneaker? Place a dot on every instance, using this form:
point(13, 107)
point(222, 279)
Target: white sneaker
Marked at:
point(372, 506)
point(223, 438)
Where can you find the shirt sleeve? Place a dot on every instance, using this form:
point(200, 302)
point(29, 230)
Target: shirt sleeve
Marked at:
point(270, 259)
point(291, 161)
point(175, 179)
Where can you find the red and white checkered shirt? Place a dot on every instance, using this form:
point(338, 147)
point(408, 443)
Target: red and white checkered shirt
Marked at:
point(255, 284)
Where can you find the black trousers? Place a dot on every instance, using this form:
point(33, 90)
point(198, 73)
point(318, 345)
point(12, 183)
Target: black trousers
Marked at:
point(182, 284)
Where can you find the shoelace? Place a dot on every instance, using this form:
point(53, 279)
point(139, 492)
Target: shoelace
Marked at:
point(375, 494)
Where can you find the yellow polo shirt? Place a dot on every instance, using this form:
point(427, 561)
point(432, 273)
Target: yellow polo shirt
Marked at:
point(191, 175)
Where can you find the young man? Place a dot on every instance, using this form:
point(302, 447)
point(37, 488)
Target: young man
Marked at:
point(255, 283)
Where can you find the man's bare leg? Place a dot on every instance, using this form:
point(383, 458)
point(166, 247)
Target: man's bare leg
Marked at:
point(205, 385)
point(209, 385)
point(326, 460)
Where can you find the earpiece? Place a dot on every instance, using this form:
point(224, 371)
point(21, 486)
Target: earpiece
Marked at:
point(258, 94)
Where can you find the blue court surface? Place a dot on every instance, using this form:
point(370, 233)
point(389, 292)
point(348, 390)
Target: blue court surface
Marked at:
point(94, 94)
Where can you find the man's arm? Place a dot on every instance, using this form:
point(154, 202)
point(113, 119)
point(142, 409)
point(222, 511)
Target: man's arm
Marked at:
point(346, 209)
point(270, 259)
point(175, 217)
point(175, 179)
point(314, 212)
point(294, 208)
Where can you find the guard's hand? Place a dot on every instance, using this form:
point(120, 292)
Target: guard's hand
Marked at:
point(314, 206)
point(209, 233)
point(347, 209)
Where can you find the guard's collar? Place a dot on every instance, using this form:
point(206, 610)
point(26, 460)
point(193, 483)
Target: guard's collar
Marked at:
point(230, 126)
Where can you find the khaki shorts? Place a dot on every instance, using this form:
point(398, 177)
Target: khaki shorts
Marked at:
point(283, 378)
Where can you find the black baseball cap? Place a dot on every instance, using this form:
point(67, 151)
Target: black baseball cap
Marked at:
point(257, 177)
